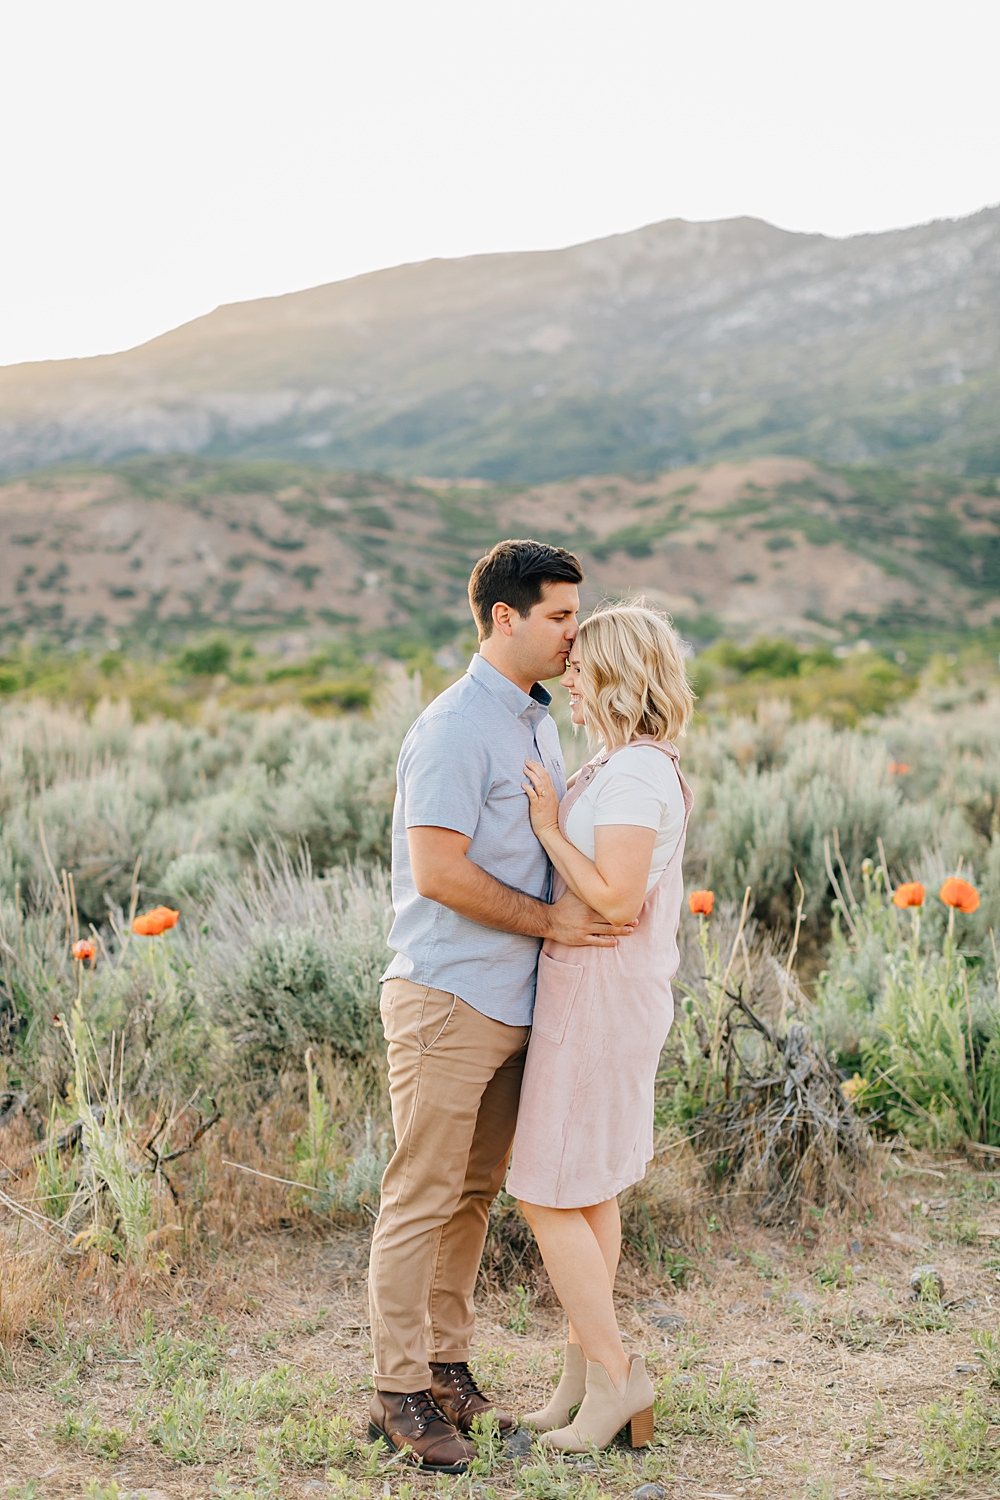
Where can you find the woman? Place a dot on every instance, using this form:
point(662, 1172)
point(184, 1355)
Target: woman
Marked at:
point(585, 1125)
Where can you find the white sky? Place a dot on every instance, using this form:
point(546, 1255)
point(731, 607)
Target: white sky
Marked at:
point(158, 159)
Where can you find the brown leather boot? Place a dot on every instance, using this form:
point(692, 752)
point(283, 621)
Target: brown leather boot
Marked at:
point(414, 1421)
point(455, 1390)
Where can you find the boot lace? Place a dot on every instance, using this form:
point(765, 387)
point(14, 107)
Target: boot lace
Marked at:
point(424, 1409)
point(461, 1377)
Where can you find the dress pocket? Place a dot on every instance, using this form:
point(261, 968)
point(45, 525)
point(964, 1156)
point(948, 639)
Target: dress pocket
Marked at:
point(554, 996)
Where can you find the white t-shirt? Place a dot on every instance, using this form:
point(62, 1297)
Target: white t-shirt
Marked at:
point(639, 787)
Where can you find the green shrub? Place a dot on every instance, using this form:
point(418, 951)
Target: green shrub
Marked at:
point(193, 875)
point(925, 1022)
point(207, 660)
point(194, 801)
point(291, 961)
point(770, 794)
point(346, 693)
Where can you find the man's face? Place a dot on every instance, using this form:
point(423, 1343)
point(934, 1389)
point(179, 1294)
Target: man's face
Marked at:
point(543, 640)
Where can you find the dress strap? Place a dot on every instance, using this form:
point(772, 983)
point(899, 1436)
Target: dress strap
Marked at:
point(666, 746)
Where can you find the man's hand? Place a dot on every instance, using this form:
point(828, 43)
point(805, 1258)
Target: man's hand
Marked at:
point(572, 921)
point(443, 872)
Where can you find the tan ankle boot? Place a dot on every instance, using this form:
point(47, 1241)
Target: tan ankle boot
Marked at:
point(568, 1393)
point(604, 1413)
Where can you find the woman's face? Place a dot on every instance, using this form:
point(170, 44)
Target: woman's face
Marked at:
point(571, 681)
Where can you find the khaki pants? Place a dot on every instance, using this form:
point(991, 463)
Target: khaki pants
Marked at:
point(454, 1082)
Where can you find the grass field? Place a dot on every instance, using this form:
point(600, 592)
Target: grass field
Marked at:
point(193, 1124)
point(787, 1366)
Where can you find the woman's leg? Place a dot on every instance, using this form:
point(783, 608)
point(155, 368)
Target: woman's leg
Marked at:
point(579, 1247)
point(606, 1222)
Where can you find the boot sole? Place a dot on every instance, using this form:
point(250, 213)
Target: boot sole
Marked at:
point(375, 1432)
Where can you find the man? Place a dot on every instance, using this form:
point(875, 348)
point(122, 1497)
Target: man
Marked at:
point(470, 887)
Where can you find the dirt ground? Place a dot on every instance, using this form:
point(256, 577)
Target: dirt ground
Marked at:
point(789, 1365)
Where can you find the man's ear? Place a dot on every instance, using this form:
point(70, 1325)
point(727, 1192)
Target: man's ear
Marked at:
point(502, 619)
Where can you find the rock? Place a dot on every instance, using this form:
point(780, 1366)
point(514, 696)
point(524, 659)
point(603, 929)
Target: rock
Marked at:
point(738, 1308)
point(517, 1444)
point(673, 1321)
point(926, 1273)
point(758, 1364)
point(801, 1301)
point(905, 1241)
point(966, 1370)
point(649, 1492)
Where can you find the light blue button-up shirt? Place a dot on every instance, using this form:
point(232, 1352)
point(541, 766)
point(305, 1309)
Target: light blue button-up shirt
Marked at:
point(461, 767)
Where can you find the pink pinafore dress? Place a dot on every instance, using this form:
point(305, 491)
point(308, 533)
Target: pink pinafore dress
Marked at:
point(585, 1122)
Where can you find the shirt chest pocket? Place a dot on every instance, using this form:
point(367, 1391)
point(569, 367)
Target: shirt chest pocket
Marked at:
point(556, 991)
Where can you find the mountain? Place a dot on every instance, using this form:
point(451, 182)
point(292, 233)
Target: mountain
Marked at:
point(675, 344)
point(160, 548)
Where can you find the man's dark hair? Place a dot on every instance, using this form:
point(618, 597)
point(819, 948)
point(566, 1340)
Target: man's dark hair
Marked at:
point(515, 573)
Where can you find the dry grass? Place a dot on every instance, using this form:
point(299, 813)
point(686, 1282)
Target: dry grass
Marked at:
point(815, 1330)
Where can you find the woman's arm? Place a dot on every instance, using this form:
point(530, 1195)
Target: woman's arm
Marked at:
point(614, 881)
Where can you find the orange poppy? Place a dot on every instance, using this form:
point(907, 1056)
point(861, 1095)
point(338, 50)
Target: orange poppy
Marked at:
point(85, 950)
point(152, 923)
point(701, 903)
point(899, 768)
point(960, 894)
point(911, 893)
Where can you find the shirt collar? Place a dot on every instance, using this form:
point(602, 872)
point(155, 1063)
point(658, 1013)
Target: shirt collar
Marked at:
point(506, 692)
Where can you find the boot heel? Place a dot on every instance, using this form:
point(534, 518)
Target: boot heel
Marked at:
point(640, 1429)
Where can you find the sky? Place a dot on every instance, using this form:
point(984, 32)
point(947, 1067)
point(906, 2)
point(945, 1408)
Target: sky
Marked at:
point(157, 160)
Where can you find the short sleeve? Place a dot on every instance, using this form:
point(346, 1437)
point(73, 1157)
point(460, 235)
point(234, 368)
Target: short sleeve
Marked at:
point(444, 774)
point(635, 794)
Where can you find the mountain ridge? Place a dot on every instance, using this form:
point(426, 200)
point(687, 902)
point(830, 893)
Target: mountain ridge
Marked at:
point(676, 343)
point(158, 548)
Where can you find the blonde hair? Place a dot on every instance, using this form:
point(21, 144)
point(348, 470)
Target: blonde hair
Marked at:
point(633, 676)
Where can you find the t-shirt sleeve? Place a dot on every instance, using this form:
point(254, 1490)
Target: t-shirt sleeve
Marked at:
point(444, 774)
point(636, 793)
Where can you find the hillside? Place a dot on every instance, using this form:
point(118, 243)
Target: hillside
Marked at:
point(674, 344)
point(159, 548)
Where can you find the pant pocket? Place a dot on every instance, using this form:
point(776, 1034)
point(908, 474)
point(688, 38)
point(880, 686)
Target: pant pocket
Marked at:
point(554, 996)
point(435, 1013)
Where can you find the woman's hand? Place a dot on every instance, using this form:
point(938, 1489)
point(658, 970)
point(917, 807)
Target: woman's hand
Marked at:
point(543, 804)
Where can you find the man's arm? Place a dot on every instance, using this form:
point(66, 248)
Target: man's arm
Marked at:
point(443, 872)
